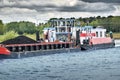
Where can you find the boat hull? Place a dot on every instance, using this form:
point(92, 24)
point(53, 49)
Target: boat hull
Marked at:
point(2, 56)
point(42, 52)
point(34, 52)
point(97, 46)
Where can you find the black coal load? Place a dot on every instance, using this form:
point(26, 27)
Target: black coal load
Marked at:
point(19, 40)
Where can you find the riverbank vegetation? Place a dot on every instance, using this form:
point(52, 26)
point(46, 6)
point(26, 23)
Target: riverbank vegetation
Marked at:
point(116, 35)
point(13, 29)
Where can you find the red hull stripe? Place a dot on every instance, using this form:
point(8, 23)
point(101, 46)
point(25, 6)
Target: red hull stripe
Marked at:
point(85, 34)
point(100, 40)
point(4, 51)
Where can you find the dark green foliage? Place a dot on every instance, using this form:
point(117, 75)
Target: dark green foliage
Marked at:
point(1, 27)
point(21, 27)
point(41, 26)
point(111, 23)
point(27, 27)
point(12, 26)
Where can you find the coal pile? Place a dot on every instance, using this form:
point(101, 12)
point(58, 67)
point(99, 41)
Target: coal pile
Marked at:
point(19, 40)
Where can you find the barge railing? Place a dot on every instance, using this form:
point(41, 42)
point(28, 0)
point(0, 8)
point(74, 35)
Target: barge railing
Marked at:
point(38, 46)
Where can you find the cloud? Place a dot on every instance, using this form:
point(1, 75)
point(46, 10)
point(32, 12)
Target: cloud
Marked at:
point(49, 2)
point(39, 2)
point(40, 10)
point(59, 5)
point(6, 2)
point(8, 11)
point(91, 7)
point(117, 11)
point(105, 1)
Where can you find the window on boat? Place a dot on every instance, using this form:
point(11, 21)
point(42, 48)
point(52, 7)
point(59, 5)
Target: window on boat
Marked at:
point(105, 34)
point(96, 34)
point(101, 34)
point(68, 29)
point(54, 24)
point(68, 23)
point(62, 29)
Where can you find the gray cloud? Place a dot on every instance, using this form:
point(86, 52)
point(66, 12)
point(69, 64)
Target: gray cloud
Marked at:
point(88, 8)
point(24, 9)
point(80, 6)
point(106, 1)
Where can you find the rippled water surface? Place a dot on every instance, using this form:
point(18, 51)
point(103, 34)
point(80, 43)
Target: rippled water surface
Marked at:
point(90, 65)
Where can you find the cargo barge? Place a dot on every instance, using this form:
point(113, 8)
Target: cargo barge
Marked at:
point(62, 37)
point(37, 49)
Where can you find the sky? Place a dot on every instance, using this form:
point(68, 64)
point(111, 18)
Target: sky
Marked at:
point(42, 10)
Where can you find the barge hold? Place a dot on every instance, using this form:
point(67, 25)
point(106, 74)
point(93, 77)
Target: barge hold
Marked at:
point(62, 37)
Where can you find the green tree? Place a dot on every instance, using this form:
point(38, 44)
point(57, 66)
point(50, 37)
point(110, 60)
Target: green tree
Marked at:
point(21, 27)
point(1, 27)
point(27, 27)
point(41, 26)
point(12, 26)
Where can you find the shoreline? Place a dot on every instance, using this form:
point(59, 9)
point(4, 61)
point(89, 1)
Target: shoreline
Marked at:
point(117, 42)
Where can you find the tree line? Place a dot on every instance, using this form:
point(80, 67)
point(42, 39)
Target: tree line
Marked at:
point(111, 23)
point(21, 27)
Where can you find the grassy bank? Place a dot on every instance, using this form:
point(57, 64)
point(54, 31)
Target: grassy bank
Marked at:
point(116, 35)
point(8, 35)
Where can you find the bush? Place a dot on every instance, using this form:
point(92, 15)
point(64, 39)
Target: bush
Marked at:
point(9, 35)
point(1, 38)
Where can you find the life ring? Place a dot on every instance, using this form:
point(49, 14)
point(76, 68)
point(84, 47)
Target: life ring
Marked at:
point(91, 43)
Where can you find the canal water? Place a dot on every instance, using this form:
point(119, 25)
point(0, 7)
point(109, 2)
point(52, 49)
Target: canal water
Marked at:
point(87, 65)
